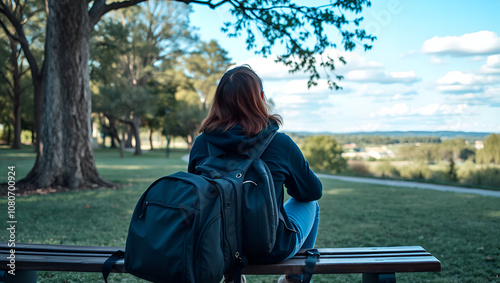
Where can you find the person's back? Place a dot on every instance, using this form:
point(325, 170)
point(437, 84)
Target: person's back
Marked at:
point(238, 118)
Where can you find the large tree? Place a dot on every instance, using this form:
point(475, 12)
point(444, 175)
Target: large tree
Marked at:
point(131, 52)
point(68, 159)
point(21, 22)
point(205, 67)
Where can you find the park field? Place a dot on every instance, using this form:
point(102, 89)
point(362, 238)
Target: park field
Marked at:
point(461, 230)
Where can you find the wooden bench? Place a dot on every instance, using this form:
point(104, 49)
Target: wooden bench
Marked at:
point(377, 264)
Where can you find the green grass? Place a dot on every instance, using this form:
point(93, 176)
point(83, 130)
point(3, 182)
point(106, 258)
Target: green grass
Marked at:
point(461, 230)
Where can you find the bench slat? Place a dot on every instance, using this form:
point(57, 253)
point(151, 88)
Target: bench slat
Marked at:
point(293, 265)
point(61, 248)
point(351, 265)
point(333, 260)
point(303, 257)
point(109, 250)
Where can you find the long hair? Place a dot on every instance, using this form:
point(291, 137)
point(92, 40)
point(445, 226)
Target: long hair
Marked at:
point(238, 100)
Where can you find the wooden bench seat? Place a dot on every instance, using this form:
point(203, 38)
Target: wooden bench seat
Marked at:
point(373, 262)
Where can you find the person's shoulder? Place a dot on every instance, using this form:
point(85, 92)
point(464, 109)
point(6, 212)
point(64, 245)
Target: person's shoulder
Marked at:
point(199, 141)
point(283, 139)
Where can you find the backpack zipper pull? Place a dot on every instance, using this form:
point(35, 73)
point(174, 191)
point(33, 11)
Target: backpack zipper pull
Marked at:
point(143, 209)
point(241, 259)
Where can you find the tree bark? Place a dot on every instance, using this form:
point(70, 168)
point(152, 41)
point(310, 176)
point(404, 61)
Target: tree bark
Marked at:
point(151, 138)
point(9, 133)
point(135, 124)
point(128, 141)
point(37, 78)
point(16, 93)
point(67, 158)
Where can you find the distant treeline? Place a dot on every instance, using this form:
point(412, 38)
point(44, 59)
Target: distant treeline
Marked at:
point(374, 140)
point(344, 139)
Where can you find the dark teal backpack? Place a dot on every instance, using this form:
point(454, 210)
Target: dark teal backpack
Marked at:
point(196, 227)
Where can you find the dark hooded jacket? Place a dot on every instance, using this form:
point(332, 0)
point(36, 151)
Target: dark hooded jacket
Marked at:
point(288, 168)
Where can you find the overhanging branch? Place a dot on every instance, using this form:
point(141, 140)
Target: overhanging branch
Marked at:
point(100, 8)
point(207, 3)
point(21, 37)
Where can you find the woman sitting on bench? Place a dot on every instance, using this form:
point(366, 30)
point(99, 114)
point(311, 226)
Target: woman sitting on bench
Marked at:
point(240, 114)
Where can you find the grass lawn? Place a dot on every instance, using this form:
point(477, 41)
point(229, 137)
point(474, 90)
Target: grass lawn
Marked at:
point(461, 230)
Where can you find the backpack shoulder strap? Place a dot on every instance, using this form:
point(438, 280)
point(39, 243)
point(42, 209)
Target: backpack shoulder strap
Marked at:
point(261, 145)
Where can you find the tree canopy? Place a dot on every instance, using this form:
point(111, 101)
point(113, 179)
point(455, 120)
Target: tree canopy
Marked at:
point(62, 83)
point(491, 151)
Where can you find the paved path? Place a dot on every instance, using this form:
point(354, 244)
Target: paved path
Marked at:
point(407, 184)
point(404, 184)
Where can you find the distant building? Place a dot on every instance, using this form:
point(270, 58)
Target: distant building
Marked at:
point(368, 152)
point(478, 145)
point(349, 146)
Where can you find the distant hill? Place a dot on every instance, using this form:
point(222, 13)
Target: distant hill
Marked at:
point(440, 134)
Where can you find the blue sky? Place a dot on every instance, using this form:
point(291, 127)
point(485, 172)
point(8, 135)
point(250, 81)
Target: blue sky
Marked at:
point(434, 66)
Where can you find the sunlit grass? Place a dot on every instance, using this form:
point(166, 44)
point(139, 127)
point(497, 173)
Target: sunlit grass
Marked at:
point(461, 230)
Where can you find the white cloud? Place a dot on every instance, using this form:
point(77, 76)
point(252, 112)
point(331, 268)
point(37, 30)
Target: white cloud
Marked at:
point(438, 60)
point(354, 61)
point(428, 109)
point(404, 95)
point(492, 65)
point(454, 126)
point(366, 127)
point(382, 77)
point(407, 54)
point(290, 100)
point(369, 127)
point(489, 96)
point(300, 87)
point(396, 110)
point(358, 69)
point(453, 109)
point(326, 112)
point(460, 82)
point(267, 69)
point(403, 110)
point(459, 77)
point(470, 44)
point(397, 96)
point(459, 88)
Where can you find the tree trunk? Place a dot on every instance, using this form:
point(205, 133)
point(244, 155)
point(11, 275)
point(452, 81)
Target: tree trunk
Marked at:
point(128, 141)
point(9, 133)
point(113, 132)
point(16, 142)
point(38, 84)
point(31, 177)
point(67, 159)
point(16, 94)
point(151, 138)
point(135, 124)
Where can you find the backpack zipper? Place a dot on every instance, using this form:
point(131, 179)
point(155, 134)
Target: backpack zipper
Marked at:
point(160, 204)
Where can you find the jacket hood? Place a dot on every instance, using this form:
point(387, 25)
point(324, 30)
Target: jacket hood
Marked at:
point(234, 141)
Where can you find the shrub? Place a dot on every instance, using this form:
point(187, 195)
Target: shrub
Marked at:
point(386, 169)
point(468, 173)
point(417, 171)
point(324, 153)
point(358, 168)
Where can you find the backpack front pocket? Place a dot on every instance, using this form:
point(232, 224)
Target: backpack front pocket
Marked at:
point(157, 242)
point(209, 263)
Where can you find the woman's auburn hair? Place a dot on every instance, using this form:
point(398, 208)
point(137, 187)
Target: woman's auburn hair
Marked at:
point(238, 100)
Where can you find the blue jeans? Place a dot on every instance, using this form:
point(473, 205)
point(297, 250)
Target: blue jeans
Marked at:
point(305, 219)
